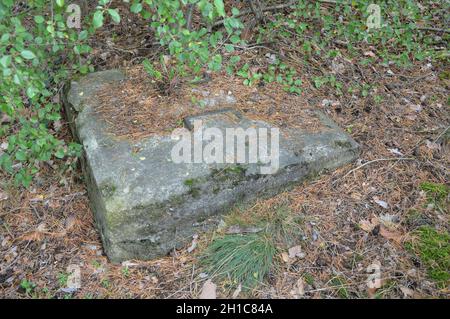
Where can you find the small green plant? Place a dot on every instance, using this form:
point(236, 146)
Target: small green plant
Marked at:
point(125, 271)
point(386, 289)
point(433, 248)
point(243, 259)
point(276, 72)
point(340, 284)
point(193, 185)
point(105, 283)
point(96, 264)
point(247, 259)
point(309, 279)
point(28, 286)
point(62, 279)
point(313, 35)
point(285, 226)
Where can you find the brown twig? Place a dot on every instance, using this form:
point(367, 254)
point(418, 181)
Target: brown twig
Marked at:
point(375, 161)
point(433, 29)
point(271, 8)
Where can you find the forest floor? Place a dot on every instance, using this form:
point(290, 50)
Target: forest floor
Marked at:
point(379, 212)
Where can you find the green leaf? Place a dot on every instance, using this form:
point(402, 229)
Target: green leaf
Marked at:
point(114, 15)
point(83, 35)
point(136, 7)
point(229, 48)
point(26, 54)
point(5, 61)
point(8, 3)
point(220, 7)
point(98, 19)
point(31, 92)
point(21, 156)
point(39, 19)
point(60, 3)
point(60, 153)
point(4, 38)
point(235, 39)
point(216, 63)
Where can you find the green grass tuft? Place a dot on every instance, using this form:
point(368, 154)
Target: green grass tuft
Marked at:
point(243, 259)
point(340, 284)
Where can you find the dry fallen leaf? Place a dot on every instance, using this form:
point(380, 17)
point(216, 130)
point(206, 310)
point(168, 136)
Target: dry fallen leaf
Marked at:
point(299, 289)
point(367, 225)
point(395, 151)
point(296, 251)
point(370, 53)
point(285, 257)
point(391, 234)
point(407, 292)
point(38, 198)
point(32, 236)
point(371, 292)
point(208, 290)
point(432, 145)
point(193, 244)
point(3, 196)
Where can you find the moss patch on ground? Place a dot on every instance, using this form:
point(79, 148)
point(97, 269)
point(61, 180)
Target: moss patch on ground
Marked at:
point(433, 248)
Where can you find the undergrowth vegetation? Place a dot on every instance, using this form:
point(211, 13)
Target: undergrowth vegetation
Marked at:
point(433, 248)
point(240, 259)
point(247, 258)
point(40, 49)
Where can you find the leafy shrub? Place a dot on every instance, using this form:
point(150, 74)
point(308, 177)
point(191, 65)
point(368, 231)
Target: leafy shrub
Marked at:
point(192, 47)
point(38, 51)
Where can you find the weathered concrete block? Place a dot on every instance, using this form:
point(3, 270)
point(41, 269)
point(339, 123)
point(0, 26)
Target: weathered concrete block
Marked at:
point(145, 204)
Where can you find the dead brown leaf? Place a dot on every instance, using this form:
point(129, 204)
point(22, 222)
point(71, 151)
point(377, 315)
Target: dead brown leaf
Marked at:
point(391, 234)
point(208, 290)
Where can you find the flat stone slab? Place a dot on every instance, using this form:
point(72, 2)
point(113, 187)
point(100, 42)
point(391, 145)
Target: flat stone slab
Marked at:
point(145, 204)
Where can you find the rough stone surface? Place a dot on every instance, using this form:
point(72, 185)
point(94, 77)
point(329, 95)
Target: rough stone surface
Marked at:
point(145, 205)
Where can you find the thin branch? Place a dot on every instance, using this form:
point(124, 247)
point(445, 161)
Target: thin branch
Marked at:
point(256, 9)
point(190, 10)
point(434, 29)
point(378, 160)
point(440, 135)
point(244, 12)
